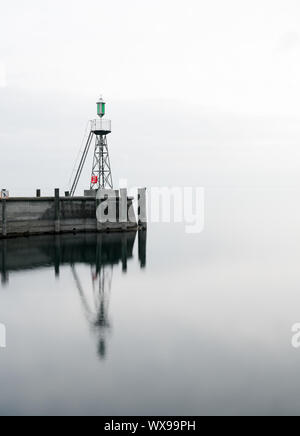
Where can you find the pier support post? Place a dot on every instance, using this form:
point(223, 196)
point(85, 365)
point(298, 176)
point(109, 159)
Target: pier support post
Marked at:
point(124, 252)
point(4, 273)
point(4, 218)
point(123, 219)
point(99, 224)
point(142, 237)
point(57, 255)
point(99, 253)
point(57, 211)
point(142, 208)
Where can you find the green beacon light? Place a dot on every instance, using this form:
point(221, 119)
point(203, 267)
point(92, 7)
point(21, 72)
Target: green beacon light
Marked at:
point(101, 107)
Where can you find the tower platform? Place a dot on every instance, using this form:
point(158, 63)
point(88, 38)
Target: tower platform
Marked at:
point(101, 126)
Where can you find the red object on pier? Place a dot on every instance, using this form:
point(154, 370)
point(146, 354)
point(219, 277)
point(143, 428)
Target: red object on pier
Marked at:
point(94, 180)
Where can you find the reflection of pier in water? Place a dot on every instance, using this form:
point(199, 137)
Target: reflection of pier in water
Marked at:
point(101, 251)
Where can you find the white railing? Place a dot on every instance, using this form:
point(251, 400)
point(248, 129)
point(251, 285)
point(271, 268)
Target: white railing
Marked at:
point(101, 125)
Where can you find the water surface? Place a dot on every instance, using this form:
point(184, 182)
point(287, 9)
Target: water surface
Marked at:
point(160, 322)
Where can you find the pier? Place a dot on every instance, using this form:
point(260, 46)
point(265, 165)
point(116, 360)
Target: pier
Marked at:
point(24, 216)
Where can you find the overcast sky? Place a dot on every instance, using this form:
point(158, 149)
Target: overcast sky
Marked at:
point(213, 69)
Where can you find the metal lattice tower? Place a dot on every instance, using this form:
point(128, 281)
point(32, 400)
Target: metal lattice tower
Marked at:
point(101, 171)
point(101, 177)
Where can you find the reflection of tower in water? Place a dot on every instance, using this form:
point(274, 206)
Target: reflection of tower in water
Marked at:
point(101, 251)
point(97, 312)
point(101, 292)
point(107, 255)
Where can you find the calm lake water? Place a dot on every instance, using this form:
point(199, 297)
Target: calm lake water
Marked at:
point(158, 323)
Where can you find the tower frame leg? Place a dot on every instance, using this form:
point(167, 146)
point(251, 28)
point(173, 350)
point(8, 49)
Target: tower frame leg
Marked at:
point(101, 177)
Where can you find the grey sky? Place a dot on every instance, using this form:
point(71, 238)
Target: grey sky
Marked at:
point(225, 74)
point(233, 54)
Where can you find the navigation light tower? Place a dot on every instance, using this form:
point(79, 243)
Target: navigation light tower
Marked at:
point(101, 171)
point(101, 177)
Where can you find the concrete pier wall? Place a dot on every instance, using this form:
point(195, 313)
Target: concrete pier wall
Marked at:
point(54, 251)
point(42, 215)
